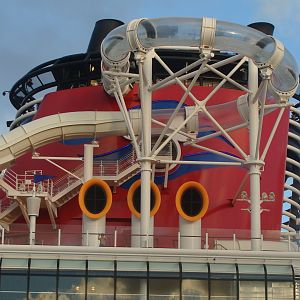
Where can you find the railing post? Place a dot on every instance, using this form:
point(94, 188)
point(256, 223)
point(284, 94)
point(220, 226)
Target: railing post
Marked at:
point(206, 241)
point(117, 170)
point(51, 188)
point(2, 236)
point(59, 237)
point(234, 241)
point(115, 238)
point(262, 241)
point(87, 238)
point(178, 238)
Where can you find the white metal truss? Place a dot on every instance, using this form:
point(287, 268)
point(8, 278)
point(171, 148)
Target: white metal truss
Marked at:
point(254, 160)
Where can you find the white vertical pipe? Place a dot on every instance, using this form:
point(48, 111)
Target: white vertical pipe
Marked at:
point(32, 226)
point(115, 238)
point(254, 167)
point(59, 237)
point(135, 231)
point(33, 208)
point(234, 241)
point(91, 228)
point(146, 105)
point(151, 233)
point(190, 234)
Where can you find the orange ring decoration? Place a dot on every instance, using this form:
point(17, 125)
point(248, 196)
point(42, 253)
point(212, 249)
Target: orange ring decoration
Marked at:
point(107, 190)
point(199, 187)
point(157, 198)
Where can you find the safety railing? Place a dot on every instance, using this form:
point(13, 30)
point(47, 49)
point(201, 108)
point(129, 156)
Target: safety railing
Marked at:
point(26, 182)
point(163, 237)
point(291, 206)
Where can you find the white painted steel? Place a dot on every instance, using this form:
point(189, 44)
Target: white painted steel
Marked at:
point(135, 231)
point(33, 208)
point(190, 234)
point(145, 71)
point(91, 228)
point(145, 35)
point(254, 165)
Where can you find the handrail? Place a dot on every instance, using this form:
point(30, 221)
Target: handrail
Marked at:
point(292, 172)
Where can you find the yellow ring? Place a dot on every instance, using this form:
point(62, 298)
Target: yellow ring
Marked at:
point(205, 200)
point(157, 198)
point(85, 187)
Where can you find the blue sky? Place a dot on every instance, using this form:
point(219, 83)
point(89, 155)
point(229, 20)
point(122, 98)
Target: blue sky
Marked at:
point(35, 31)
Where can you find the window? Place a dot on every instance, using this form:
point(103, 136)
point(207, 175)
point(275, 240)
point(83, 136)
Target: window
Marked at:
point(71, 281)
point(42, 281)
point(13, 271)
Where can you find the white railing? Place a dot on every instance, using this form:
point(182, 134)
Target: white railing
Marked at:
point(112, 167)
point(65, 181)
point(25, 182)
point(292, 188)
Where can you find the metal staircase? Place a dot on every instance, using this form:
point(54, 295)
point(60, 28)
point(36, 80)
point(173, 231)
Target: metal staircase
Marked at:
point(56, 193)
point(291, 200)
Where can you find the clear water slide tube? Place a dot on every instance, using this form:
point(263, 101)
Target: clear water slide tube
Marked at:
point(185, 33)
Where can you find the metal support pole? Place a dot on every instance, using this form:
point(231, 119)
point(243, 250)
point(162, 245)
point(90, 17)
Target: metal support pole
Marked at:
point(91, 228)
point(32, 225)
point(33, 207)
point(88, 161)
point(254, 164)
point(145, 71)
point(115, 238)
point(59, 237)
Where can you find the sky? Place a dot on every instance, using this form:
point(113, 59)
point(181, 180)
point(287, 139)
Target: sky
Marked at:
point(36, 31)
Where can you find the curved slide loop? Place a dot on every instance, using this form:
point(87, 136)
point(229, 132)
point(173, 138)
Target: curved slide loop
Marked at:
point(184, 33)
point(91, 124)
point(58, 127)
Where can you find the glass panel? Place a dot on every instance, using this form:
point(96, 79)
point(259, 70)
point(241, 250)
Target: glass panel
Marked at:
point(190, 270)
point(9, 290)
point(251, 269)
point(131, 269)
point(193, 289)
point(280, 290)
point(157, 269)
point(282, 270)
point(101, 265)
point(252, 272)
point(14, 263)
point(100, 288)
point(250, 290)
point(223, 271)
point(190, 267)
point(131, 288)
point(43, 286)
point(164, 289)
point(223, 289)
point(71, 287)
point(281, 273)
point(101, 268)
point(72, 264)
point(48, 264)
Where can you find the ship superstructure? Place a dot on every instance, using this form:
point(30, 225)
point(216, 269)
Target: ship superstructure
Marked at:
point(158, 165)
